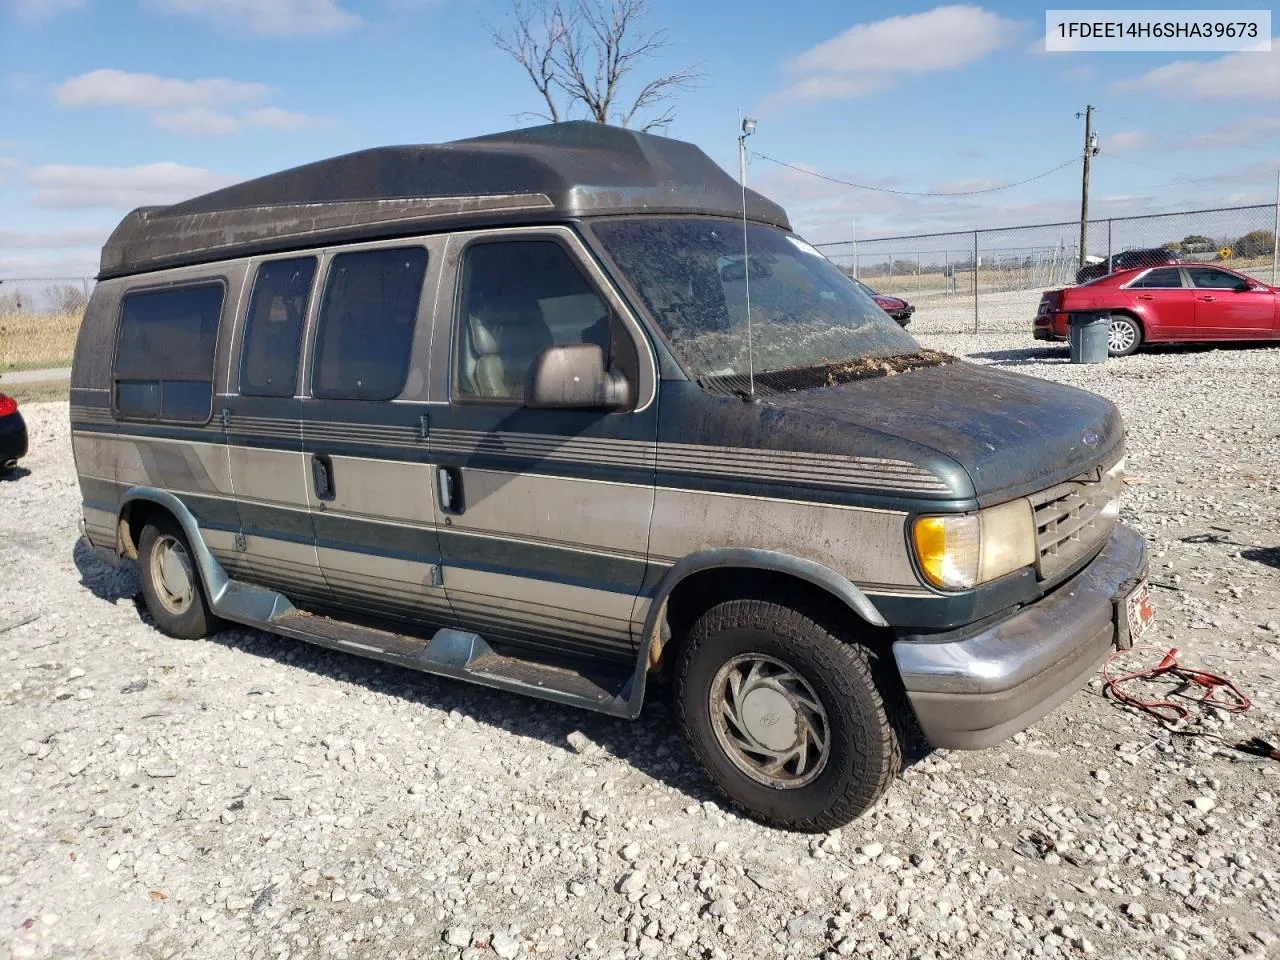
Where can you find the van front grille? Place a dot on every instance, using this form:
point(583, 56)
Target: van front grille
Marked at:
point(1073, 518)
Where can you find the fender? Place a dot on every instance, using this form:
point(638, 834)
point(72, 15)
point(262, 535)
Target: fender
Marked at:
point(215, 579)
point(810, 571)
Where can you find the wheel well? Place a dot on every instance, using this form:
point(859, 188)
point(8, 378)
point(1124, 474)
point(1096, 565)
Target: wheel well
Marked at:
point(699, 592)
point(133, 517)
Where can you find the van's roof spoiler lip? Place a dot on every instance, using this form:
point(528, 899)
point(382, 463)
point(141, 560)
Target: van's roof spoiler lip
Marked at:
point(547, 173)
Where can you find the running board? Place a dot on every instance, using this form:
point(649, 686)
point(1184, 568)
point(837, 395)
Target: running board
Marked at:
point(448, 653)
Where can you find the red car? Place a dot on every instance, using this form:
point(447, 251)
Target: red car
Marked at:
point(1186, 302)
point(895, 307)
point(13, 434)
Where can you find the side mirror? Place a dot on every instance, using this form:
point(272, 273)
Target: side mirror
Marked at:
point(1243, 286)
point(573, 377)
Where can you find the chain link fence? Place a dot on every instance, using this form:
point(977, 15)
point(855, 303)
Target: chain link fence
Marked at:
point(991, 280)
point(39, 320)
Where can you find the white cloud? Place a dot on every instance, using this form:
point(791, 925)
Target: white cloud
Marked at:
point(1127, 141)
point(7, 166)
point(82, 263)
point(66, 237)
point(119, 88)
point(198, 122)
point(1261, 172)
point(276, 18)
point(868, 56)
point(68, 186)
point(1250, 75)
point(60, 252)
point(827, 212)
point(41, 9)
point(277, 119)
point(1239, 133)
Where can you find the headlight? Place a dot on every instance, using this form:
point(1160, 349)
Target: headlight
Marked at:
point(962, 550)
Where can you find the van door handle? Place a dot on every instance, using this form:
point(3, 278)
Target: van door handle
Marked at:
point(1206, 299)
point(449, 486)
point(1146, 296)
point(322, 475)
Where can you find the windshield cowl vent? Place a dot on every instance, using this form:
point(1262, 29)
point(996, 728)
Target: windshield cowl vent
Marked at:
point(774, 383)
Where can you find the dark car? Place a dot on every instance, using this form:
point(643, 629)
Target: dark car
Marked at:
point(1188, 302)
point(895, 307)
point(1127, 260)
point(13, 434)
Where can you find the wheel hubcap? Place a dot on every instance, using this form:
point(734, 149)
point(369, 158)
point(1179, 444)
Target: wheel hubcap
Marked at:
point(172, 575)
point(769, 721)
point(1120, 336)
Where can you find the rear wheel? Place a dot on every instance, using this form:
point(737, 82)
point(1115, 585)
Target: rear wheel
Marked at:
point(1124, 337)
point(788, 719)
point(170, 582)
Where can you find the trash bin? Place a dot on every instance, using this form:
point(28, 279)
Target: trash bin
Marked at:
point(1087, 333)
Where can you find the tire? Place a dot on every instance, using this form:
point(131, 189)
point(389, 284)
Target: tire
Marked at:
point(795, 659)
point(164, 560)
point(1124, 337)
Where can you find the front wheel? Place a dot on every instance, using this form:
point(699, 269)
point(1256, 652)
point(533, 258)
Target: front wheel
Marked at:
point(788, 719)
point(1124, 336)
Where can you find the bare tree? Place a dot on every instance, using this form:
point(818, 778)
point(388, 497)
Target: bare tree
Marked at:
point(67, 298)
point(579, 54)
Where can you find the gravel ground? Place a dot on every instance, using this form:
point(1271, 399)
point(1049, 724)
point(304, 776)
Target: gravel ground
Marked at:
point(247, 796)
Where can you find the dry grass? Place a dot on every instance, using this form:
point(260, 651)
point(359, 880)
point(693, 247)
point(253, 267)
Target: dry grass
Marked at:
point(42, 391)
point(34, 341)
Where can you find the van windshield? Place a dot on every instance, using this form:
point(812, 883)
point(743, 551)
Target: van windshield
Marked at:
point(805, 312)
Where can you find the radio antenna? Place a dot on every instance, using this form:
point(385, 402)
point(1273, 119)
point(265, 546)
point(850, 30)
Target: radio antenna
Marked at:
point(748, 128)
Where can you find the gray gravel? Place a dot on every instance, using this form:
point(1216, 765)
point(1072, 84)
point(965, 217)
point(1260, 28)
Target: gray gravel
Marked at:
point(247, 796)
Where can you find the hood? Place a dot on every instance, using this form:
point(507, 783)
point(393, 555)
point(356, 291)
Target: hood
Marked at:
point(1012, 434)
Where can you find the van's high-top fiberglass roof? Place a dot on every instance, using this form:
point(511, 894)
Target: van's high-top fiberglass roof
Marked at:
point(538, 174)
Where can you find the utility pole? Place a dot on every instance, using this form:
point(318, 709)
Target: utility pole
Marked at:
point(1275, 236)
point(1090, 149)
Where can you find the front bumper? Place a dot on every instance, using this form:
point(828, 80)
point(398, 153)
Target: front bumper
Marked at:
point(13, 438)
point(981, 688)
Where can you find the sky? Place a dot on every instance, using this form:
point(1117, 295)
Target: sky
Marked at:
point(110, 104)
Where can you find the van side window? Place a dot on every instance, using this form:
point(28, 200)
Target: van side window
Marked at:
point(519, 297)
point(365, 328)
point(164, 353)
point(273, 327)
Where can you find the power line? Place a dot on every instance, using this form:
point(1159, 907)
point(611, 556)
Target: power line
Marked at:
point(1192, 136)
point(1182, 177)
point(911, 193)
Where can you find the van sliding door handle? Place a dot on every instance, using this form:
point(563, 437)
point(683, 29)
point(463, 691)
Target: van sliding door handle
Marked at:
point(449, 486)
point(322, 476)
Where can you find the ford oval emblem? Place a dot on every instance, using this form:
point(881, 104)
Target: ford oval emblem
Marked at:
point(1090, 438)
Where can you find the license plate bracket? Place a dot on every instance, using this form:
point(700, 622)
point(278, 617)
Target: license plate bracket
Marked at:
point(1135, 613)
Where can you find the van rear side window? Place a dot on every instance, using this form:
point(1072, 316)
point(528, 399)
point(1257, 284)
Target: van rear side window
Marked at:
point(365, 329)
point(273, 327)
point(164, 353)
